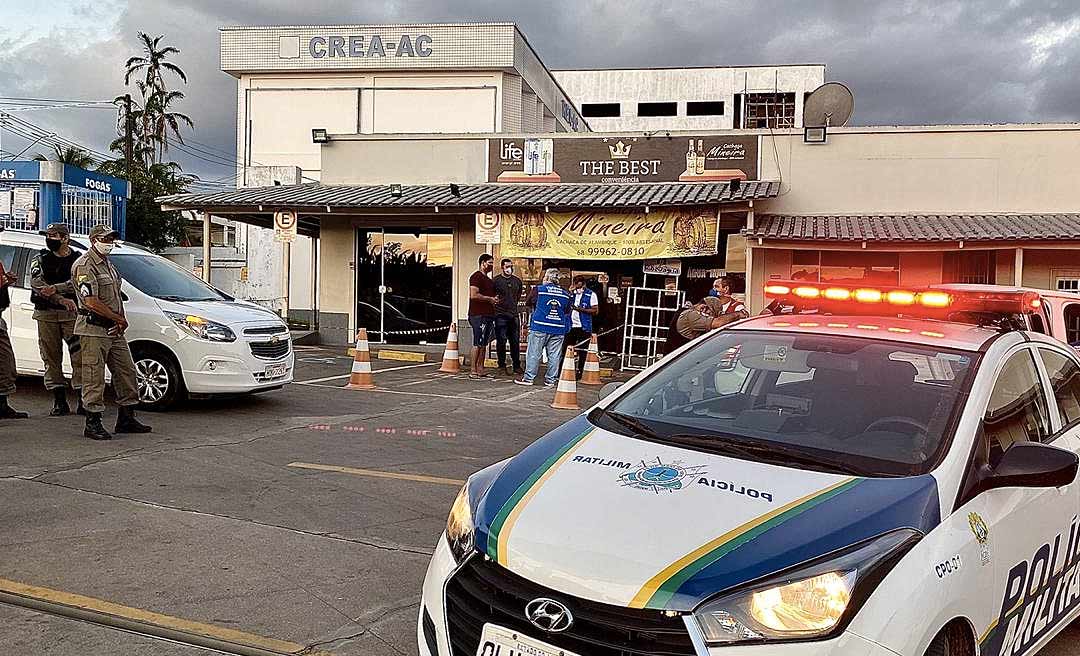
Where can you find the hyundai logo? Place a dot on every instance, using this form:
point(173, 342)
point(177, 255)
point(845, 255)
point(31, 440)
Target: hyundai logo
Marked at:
point(548, 615)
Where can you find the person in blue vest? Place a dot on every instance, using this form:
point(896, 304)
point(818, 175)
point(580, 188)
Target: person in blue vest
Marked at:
point(547, 330)
point(584, 305)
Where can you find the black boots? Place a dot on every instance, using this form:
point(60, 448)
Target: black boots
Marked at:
point(127, 423)
point(60, 405)
point(7, 412)
point(94, 430)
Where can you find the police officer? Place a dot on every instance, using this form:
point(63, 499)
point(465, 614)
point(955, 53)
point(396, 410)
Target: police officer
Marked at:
point(53, 296)
point(7, 354)
point(100, 327)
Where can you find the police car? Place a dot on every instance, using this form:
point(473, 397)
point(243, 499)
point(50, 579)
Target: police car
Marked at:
point(891, 471)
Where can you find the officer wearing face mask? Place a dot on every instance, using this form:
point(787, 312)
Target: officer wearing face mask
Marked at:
point(53, 296)
point(100, 327)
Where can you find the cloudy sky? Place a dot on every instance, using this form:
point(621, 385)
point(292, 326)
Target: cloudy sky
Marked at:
point(908, 62)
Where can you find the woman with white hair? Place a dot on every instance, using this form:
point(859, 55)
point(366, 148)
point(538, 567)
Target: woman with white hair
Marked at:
point(547, 330)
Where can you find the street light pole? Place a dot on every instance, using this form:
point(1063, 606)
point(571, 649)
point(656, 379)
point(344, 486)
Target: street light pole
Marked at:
point(129, 145)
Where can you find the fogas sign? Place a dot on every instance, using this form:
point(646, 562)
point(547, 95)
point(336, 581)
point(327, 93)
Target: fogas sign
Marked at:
point(344, 46)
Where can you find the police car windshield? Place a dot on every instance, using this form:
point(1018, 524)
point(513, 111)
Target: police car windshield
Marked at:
point(840, 404)
point(160, 278)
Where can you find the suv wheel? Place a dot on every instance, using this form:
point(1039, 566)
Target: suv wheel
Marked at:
point(158, 379)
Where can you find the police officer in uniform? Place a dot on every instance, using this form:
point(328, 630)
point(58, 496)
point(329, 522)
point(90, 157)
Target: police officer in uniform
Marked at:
point(7, 354)
point(53, 296)
point(100, 327)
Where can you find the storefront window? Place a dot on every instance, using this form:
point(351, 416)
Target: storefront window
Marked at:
point(969, 267)
point(842, 267)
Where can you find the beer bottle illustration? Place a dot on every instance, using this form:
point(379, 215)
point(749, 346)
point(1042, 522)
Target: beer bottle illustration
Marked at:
point(691, 158)
point(699, 161)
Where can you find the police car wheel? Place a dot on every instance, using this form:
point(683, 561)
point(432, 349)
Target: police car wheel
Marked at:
point(158, 379)
point(952, 641)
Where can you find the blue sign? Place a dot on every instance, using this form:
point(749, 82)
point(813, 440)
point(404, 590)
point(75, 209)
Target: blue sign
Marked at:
point(77, 177)
point(569, 115)
point(19, 171)
point(359, 46)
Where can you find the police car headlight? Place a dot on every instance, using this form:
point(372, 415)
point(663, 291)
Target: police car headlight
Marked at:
point(460, 530)
point(197, 326)
point(810, 601)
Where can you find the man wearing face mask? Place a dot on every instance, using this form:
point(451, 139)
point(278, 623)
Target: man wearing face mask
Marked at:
point(100, 327)
point(507, 326)
point(53, 296)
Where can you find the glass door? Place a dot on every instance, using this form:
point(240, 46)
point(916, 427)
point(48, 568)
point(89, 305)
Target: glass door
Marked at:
point(404, 283)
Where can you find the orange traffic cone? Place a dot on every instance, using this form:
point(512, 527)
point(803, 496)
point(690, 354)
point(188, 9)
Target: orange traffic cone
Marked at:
point(566, 392)
point(451, 360)
point(361, 366)
point(590, 375)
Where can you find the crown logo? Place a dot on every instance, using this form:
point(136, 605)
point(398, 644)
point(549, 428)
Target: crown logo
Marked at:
point(620, 151)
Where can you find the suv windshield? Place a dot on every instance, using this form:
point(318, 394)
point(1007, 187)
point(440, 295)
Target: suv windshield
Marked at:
point(160, 278)
point(838, 404)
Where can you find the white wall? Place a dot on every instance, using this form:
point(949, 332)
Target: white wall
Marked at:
point(631, 86)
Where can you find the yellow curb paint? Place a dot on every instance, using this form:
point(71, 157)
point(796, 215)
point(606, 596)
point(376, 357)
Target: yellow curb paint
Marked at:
point(606, 373)
point(402, 356)
point(419, 478)
point(149, 618)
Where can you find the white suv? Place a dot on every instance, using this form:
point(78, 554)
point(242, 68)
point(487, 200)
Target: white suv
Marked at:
point(187, 338)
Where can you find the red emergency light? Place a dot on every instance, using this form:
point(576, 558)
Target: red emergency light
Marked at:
point(874, 299)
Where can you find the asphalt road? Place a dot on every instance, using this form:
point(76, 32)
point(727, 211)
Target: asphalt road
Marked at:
point(205, 521)
point(268, 519)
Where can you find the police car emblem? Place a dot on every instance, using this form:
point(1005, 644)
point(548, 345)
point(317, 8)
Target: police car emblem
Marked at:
point(978, 527)
point(658, 476)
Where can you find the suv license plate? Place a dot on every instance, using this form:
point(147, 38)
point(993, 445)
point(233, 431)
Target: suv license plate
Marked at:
point(497, 641)
point(275, 370)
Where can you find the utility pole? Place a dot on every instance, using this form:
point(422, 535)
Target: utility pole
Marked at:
point(129, 145)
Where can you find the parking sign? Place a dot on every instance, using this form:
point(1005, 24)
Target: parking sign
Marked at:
point(285, 226)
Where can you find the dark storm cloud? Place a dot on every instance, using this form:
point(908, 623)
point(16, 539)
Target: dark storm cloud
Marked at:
point(907, 62)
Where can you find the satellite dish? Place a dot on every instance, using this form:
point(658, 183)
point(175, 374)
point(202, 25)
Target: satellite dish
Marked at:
point(830, 105)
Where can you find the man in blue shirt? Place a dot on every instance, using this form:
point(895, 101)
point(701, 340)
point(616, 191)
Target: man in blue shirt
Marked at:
point(584, 306)
point(547, 330)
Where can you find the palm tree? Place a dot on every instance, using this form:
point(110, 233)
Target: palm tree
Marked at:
point(155, 126)
point(152, 64)
point(68, 155)
point(164, 122)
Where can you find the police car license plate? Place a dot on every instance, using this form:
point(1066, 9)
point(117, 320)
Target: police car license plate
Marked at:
point(497, 641)
point(275, 370)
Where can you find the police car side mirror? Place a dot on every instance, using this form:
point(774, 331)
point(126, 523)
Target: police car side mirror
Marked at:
point(1031, 464)
point(606, 390)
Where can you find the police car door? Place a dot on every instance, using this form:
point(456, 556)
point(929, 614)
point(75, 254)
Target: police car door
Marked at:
point(1028, 533)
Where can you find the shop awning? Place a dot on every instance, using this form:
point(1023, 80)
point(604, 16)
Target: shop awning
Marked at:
point(915, 228)
point(317, 197)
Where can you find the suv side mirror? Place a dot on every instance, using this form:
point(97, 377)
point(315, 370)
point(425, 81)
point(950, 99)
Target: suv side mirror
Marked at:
point(1031, 464)
point(606, 390)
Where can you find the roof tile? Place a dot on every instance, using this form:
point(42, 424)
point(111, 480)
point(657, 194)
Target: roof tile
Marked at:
point(494, 195)
point(917, 227)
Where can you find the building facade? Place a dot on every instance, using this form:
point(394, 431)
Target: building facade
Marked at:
point(34, 194)
point(469, 78)
point(704, 98)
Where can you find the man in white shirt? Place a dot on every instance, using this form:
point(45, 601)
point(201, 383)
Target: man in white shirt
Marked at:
point(585, 305)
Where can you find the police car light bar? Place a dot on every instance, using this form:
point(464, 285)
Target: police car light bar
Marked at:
point(864, 299)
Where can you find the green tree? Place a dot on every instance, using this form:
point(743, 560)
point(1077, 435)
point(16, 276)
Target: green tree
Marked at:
point(147, 223)
point(68, 155)
point(155, 125)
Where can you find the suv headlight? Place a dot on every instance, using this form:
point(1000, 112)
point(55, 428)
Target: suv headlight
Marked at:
point(810, 601)
point(460, 530)
point(201, 328)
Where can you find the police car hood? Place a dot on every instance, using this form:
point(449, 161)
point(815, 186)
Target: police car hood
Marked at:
point(230, 313)
point(624, 521)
